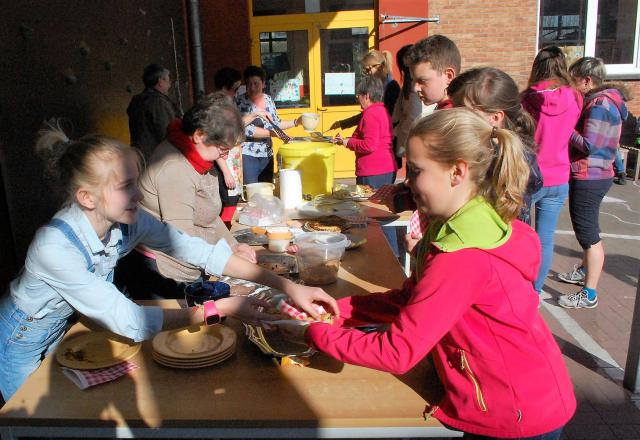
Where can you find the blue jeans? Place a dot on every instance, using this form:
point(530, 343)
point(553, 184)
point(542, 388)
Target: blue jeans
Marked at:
point(548, 203)
point(618, 162)
point(26, 341)
point(553, 435)
point(257, 169)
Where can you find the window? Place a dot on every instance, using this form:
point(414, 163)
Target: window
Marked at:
point(609, 29)
point(281, 7)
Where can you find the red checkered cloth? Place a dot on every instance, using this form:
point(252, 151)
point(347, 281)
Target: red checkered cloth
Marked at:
point(88, 378)
point(418, 224)
point(289, 310)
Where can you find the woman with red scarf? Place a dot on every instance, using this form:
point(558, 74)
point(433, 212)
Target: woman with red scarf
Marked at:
point(180, 187)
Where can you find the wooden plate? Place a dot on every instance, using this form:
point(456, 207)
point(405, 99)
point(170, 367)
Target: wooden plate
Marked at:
point(96, 350)
point(194, 342)
point(193, 365)
point(356, 240)
point(194, 360)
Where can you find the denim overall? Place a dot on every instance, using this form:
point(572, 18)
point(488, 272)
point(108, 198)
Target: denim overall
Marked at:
point(27, 340)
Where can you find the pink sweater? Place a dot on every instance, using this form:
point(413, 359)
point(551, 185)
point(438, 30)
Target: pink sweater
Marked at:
point(502, 371)
point(556, 110)
point(372, 141)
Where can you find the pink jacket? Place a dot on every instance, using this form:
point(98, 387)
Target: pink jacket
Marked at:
point(502, 371)
point(556, 110)
point(372, 141)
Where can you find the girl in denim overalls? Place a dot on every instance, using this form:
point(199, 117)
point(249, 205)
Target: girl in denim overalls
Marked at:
point(69, 265)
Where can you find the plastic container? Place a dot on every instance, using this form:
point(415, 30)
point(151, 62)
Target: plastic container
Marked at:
point(279, 239)
point(319, 255)
point(314, 160)
point(262, 188)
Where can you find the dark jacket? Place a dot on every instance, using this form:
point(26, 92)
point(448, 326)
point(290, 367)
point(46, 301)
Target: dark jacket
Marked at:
point(149, 115)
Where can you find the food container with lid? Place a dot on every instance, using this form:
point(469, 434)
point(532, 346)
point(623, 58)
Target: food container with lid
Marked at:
point(279, 238)
point(319, 255)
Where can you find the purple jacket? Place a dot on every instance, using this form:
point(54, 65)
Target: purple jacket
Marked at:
point(596, 137)
point(556, 110)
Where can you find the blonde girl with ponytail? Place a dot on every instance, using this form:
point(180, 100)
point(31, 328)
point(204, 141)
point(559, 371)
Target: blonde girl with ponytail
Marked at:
point(471, 302)
point(71, 260)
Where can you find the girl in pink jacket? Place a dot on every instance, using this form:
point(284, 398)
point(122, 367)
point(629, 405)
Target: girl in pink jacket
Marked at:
point(556, 107)
point(470, 302)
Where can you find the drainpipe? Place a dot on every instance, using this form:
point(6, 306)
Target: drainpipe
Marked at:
point(197, 68)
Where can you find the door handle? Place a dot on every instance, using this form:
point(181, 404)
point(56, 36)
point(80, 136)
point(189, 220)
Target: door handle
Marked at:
point(322, 109)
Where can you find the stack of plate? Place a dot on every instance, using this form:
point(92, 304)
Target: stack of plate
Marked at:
point(194, 347)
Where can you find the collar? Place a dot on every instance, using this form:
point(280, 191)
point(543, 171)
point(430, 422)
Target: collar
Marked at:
point(374, 104)
point(475, 225)
point(183, 143)
point(80, 223)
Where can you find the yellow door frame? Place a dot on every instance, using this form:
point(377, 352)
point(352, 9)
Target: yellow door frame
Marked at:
point(313, 23)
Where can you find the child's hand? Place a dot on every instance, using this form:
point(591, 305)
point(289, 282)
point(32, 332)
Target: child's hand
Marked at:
point(245, 251)
point(410, 242)
point(337, 140)
point(292, 248)
point(305, 296)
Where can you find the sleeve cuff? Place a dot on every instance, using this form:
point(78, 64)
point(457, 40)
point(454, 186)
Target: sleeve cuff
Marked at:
point(218, 258)
point(153, 320)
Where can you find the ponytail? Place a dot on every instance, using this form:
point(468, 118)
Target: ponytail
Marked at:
point(496, 158)
point(387, 66)
point(86, 162)
point(506, 179)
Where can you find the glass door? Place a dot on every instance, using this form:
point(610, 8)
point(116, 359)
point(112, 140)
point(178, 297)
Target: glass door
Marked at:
point(313, 64)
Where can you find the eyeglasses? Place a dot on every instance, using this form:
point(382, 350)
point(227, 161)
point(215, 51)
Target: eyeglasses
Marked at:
point(370, 67)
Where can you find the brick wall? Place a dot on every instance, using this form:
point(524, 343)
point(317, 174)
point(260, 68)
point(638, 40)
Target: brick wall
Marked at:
point(499, 34)
point(490, 33)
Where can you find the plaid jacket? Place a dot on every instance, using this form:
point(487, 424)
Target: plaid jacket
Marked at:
point(594, 142)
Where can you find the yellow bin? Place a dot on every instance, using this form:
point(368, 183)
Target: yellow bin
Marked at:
point(314, 160)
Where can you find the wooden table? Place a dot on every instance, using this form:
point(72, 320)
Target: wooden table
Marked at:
point(246, 396)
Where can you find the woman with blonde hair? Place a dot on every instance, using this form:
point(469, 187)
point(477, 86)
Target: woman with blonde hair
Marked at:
point(378, 64)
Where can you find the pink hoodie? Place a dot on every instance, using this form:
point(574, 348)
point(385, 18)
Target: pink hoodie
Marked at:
point(556, 110)
point(502, 371)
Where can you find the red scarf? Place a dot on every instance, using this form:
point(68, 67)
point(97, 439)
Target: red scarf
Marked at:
point(184, 143)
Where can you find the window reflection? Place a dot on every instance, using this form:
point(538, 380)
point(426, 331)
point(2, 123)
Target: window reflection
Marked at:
point(341, 52)
point(285, 58)
point(615, 37)
point(563, 24)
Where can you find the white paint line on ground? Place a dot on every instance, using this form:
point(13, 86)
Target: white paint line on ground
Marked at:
point(608, 199)
point(581, 337)
point(603, 234)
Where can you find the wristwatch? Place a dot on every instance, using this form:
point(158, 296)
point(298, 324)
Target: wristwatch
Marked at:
point(211, 313)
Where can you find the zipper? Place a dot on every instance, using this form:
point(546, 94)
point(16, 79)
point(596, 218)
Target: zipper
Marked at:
point(467, 369)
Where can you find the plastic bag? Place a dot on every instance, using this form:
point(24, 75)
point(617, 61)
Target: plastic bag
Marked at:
point(262, 210)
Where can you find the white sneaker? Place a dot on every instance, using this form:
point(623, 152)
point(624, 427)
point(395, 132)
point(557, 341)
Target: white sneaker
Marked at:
point(576, 276)
point(578, 300)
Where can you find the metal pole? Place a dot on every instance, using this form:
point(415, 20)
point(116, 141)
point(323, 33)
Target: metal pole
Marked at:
point(632, 369)
point(196, 47)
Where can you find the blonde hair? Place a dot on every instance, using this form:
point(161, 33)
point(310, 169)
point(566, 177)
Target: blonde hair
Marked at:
point(86, 162)
point(497, 164)
point(384, 58)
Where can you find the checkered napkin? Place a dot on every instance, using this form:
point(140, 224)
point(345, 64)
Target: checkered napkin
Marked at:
point(417, 224)
point(383, 194)
point(88, 378)
point(289, 310)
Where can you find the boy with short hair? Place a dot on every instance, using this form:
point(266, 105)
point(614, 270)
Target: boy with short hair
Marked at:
point(434, 62)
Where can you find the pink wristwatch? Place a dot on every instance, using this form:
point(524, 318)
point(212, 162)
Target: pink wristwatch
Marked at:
point(211, 313)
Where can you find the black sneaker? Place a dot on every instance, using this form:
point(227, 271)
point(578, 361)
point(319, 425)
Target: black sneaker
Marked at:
point(621, 179)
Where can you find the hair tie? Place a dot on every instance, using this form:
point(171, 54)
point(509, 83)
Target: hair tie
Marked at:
point(494, 133)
